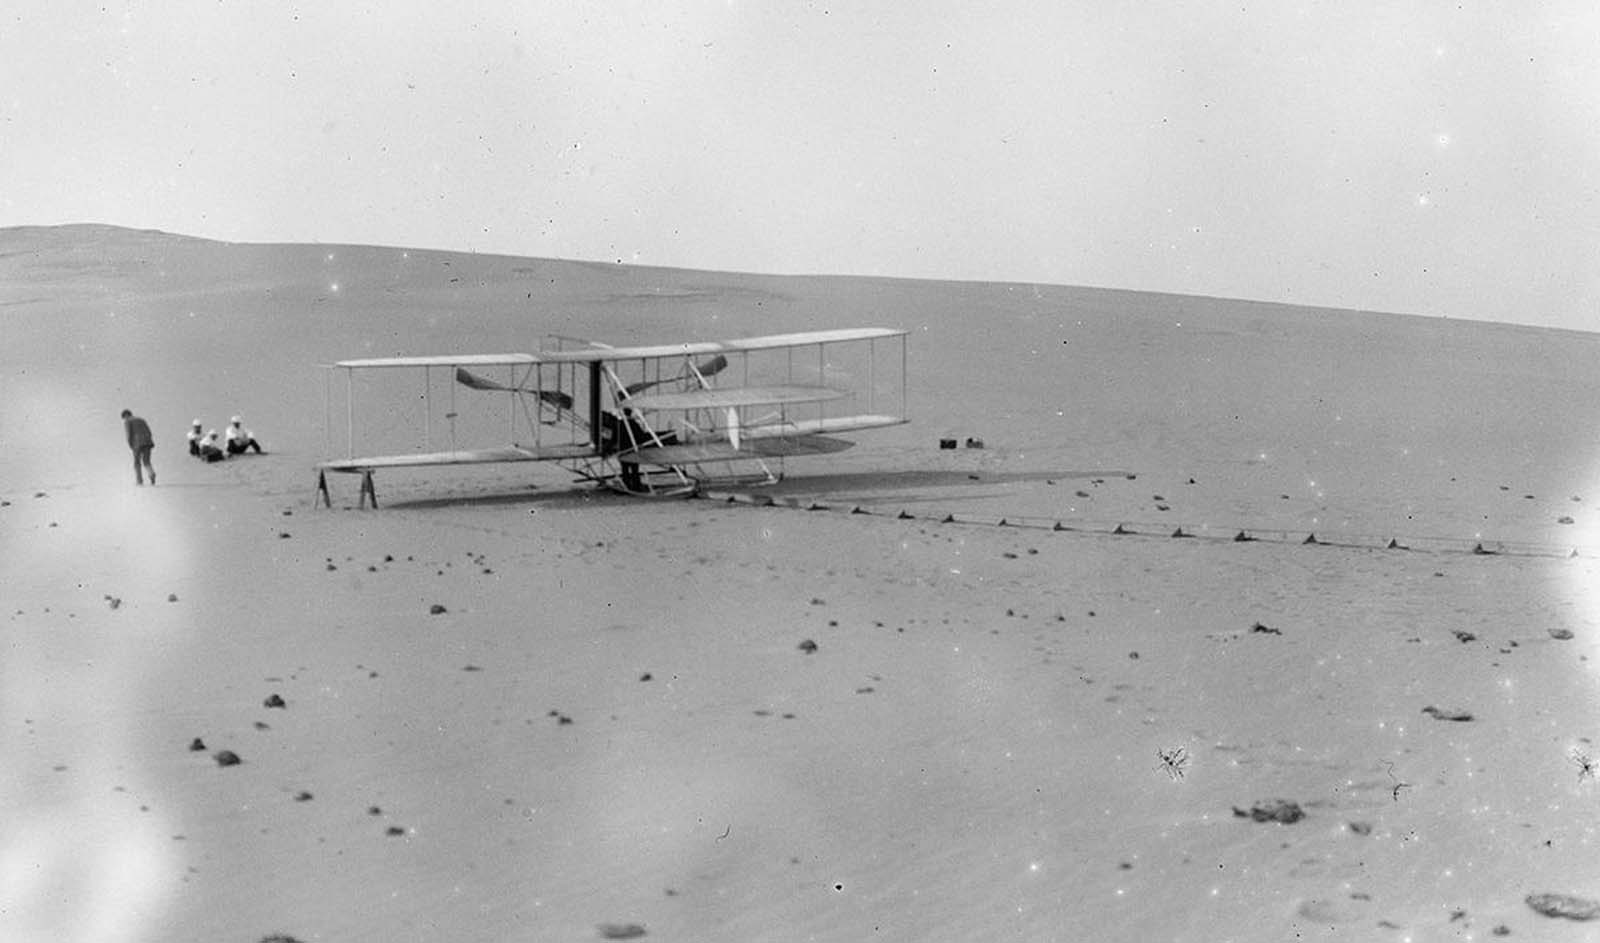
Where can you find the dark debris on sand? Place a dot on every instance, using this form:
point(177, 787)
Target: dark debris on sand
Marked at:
point(1455, 714)
point(620, 931)
point(807, 646)
point(227, 758)
point(1272, 810)
point(1565, 906)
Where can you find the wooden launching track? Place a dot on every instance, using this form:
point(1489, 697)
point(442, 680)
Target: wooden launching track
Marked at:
point(1395, 543)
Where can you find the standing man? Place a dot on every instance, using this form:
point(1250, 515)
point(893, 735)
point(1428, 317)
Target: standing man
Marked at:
point(141, 442)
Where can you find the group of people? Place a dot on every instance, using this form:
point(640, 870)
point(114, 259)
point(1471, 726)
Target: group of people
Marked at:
point(236, 441)
point(204, 446)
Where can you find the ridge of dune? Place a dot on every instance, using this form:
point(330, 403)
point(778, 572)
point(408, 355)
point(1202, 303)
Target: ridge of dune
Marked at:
point(115, 240)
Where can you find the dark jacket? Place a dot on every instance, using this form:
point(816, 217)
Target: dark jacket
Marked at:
point(139, 436)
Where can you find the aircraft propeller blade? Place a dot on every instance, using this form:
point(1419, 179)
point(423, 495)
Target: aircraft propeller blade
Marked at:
point(467, 378)
point(707, 368)
point(714, 366)
point(554, 398)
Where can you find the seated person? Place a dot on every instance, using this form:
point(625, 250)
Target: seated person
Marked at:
point(209, 450)
point(239, 438)
point(195, 435)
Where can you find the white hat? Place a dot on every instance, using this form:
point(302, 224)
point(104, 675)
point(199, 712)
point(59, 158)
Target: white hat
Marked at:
point(236, 420)
point(197, 423)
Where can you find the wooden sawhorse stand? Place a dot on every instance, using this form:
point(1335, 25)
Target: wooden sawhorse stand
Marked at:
point(368, 492)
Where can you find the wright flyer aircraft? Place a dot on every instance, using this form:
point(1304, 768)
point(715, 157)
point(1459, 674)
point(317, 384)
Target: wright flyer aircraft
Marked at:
point(661, 420)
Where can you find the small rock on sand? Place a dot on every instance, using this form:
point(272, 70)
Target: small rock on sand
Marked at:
point(197, 745)
point(808, 646)
point(227, 758)
point(274, 701)
point(1561, 635)
point(620, 931)
point(1272, 810)
point(1565, 905)
point(436, 610)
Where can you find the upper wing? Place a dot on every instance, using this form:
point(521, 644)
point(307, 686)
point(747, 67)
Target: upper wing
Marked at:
point(769, 342)
point(605, 354)
point(448, 360)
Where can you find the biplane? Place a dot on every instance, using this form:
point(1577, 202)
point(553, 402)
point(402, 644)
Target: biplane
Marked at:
point(660, 420)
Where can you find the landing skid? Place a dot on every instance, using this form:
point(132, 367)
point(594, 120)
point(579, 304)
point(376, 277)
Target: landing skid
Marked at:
point(665, 483)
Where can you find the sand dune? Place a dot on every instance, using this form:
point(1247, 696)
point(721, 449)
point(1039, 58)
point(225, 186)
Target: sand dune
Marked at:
point(509, 708)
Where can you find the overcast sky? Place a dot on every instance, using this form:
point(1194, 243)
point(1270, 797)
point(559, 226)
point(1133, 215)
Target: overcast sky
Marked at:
point(1430, 158)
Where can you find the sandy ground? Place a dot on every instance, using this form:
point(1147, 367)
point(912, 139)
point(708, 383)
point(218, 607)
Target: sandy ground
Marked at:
point(512, 709)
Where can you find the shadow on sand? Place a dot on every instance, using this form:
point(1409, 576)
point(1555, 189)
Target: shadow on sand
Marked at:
point(885, 485)
point(576, 496)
